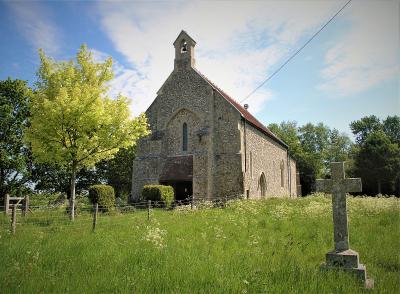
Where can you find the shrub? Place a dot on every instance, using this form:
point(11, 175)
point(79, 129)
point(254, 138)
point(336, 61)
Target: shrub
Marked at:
point(104, 195)
point(47, 199)
point(158, 193)
point(82, 203)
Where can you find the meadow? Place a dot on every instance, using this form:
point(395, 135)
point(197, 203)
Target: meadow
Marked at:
point(266, 246)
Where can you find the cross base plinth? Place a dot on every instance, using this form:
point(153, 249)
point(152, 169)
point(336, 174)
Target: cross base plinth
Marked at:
point(348, 261)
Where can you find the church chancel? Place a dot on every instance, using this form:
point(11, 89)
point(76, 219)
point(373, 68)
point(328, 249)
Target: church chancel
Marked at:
point(205, 144)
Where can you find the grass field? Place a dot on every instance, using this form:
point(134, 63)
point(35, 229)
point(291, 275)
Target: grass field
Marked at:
point(271, 246)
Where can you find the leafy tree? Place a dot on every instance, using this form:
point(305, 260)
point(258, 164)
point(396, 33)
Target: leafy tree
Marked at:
point(117, 171)
point(339, 147)
point(377, 155)
point(391, 127)
point(74, 123)
point(51, 178)
point(313, 147)
point(363, 127)
point(14, 156)
point(378, 162)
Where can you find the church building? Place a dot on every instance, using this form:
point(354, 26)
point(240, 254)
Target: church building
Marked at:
point(205, 144)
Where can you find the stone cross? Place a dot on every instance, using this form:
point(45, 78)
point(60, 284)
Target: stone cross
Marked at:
point(338, 185)
point(342, 257)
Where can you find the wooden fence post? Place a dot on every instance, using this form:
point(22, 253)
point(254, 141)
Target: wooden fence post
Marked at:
point(6, 203)
point(148, 209)
point(14, 219)
point(96, 210)
point(25, 206)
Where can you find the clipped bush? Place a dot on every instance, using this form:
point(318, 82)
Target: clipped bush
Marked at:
point(158, 193)
point(104, 195)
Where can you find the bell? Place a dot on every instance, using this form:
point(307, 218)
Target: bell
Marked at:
point(184, 47)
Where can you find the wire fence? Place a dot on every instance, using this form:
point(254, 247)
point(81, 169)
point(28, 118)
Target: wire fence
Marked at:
point(58, 217)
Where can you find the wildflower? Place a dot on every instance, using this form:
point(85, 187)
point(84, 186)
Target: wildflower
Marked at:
point(316, 209)
point(155, 236)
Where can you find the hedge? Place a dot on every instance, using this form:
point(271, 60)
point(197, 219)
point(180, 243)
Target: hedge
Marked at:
point(158, 193)
point(104, 195)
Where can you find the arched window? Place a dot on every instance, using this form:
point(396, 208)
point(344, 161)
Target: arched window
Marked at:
point(184, 137)
point(263, 185)
point(282, 173)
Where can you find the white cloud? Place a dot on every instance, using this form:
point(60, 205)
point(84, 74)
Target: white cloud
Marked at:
point(238, 43)
point(127, 82)
point(368, 52)
point(35, 24)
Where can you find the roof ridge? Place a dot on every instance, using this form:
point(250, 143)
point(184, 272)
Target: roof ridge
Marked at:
point(216, 86)
point(244, 112)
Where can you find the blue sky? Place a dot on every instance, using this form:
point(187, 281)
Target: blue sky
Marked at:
point(350, 70)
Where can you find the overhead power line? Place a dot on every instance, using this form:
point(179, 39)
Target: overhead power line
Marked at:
point(297, 52)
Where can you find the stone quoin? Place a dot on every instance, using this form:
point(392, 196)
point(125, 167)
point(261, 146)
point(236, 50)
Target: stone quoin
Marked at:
point(207, 145)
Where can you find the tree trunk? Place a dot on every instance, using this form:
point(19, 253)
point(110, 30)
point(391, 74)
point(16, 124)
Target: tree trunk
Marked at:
point(379, 187)
point(72, 198)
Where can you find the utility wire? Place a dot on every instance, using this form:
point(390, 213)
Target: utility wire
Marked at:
point(297, 52)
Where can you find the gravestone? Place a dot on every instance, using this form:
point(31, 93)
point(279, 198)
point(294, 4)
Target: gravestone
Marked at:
point(342, 257)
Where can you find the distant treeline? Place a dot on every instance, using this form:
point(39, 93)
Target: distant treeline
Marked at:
point(374, 156)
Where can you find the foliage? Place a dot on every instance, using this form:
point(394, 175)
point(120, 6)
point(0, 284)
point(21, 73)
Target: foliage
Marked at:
point(104, 195)
point(378, 162)
point(74, 123)
point(270, 246)
point(377, 156)
point(364, 126)
point(51, 178)
point(158, 193)
point(117, 172)
point(14, 156)
point(391, 127)
point(47, 199)
point(313, 147)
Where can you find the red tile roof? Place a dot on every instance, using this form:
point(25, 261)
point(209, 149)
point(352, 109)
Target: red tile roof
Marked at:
point(243, 112)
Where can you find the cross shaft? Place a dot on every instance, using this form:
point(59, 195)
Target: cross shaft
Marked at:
point(338, 185)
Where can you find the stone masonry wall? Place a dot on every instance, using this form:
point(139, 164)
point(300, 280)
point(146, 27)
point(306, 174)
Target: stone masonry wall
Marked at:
point(227, 171)
point(293, 175)
point(213, 136)
point(264, 155)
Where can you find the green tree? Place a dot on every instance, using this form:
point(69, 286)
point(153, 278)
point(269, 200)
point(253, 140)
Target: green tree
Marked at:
point(51, 178)
point(391, 127)
point(363, 127)
point(14, 156)
point(117, 171)
point(313, 147)
point(376, 155)
point(377, 162)
point(74, 123)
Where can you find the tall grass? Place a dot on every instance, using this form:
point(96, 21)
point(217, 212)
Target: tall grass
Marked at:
point(271, 246)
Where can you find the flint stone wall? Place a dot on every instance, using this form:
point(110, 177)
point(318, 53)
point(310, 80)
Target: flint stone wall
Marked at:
point(213, 136)
point(264, 155)
point(215, 140)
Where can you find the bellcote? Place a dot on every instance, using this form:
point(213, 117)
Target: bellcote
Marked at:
point(184, 51)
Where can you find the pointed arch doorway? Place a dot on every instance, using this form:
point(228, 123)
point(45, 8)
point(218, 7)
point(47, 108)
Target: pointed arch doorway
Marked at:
point(262, 183)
